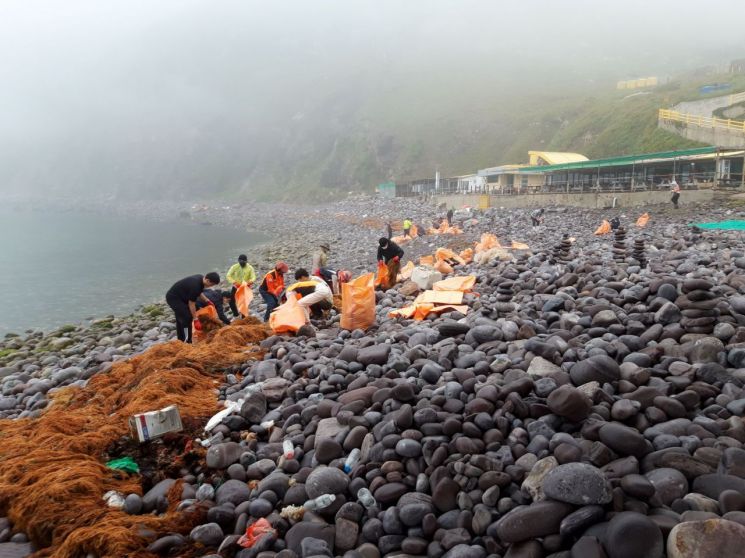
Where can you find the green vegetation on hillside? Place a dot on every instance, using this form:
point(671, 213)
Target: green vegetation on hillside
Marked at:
point(458, 130)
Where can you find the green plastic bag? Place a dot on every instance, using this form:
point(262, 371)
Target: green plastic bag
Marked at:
point(124, 464)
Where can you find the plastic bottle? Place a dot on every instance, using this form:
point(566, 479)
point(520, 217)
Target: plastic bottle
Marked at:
point(324, 500)
point(366, 498)
point(354, 457)
point(288, 450)
point(315, 397)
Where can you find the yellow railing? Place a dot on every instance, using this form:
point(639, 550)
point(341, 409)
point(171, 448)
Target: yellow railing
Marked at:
point(702, 121)
point(736, 98)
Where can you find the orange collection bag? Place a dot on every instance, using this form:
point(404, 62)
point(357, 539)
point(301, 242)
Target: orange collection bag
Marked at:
point(208, 312)
point(642, 221)
point(604, 228)
point(358, 303)
point(382, 279)
point(243, 297)
point(288, 318)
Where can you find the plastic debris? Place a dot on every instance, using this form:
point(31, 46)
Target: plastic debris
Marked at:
point(323, 501)
point(366, 498)
point(292, 513)
point(255, 531)
point(352, 459)
point(114, 499)
point(288, 450)
point(124, 464)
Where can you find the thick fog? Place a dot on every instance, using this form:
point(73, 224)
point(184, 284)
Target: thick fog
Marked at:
point(186, 98)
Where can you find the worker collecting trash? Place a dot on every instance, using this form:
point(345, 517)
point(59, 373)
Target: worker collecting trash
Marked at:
point(182, 298)
point(240, 273)
point(218, 299)
point(316, 296)
point(272, 286)
point(390, 254)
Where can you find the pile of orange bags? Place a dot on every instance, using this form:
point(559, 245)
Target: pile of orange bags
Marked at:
point(401, 239)
point(444, 228)
point(488, 241)
point(358, 303)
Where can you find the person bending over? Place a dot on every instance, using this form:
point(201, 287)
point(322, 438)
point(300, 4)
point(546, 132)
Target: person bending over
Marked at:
point(182, 298)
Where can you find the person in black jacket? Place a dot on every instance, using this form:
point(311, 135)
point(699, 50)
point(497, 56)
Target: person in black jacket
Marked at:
point(182, 298)
point(218, 299)
point(390, 253)
point(389, 250)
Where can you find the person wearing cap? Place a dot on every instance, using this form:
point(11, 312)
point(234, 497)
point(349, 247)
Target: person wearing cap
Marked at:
point(272, 286)
point(182, 298)
point(390, 253)
point(238, 274)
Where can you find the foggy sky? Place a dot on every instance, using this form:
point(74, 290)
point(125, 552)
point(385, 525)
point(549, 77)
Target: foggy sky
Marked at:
point(97, 95)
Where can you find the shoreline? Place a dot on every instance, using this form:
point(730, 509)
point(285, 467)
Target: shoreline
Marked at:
point(615, 364)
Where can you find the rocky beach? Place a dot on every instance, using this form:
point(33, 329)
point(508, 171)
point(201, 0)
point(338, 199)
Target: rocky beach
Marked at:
point(589, 403)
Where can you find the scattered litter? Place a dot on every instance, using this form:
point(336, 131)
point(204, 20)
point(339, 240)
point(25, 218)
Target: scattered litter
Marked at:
point(425, 277)
point(126, 464)
point(255, 531)
point(114, 499)
point(406, 272)
point(292, 513)
point(154, 424)
point(463, 283)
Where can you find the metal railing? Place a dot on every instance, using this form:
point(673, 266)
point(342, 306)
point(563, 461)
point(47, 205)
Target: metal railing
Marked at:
point(660, 182)
point(702, 121)
point(736, 98)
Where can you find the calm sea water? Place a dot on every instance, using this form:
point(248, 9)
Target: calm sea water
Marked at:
point(58, 269)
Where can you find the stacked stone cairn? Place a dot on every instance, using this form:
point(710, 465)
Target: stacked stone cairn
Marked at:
point(698, 306)
point(561, 252)
point(639, 252)
point(619, 245)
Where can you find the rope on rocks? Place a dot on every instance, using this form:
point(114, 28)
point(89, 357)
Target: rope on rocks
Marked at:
point(52, 472)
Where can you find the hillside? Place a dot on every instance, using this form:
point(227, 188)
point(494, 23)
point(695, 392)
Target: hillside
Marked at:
point(394, 137)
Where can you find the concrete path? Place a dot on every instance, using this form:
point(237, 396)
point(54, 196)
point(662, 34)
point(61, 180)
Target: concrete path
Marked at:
point(704, 107)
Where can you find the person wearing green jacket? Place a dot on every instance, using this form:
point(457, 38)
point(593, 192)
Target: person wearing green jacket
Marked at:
point(240, 273)
point(407, 227)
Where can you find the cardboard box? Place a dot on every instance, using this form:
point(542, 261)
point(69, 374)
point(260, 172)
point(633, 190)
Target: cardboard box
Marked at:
point(153, 424)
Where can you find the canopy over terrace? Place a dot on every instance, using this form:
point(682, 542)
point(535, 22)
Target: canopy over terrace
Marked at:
point(691, 168)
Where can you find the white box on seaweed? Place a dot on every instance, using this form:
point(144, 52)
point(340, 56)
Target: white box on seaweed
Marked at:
point(154, 424)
